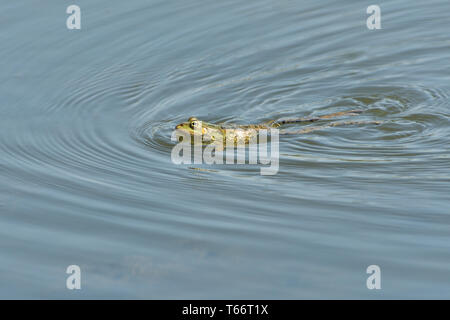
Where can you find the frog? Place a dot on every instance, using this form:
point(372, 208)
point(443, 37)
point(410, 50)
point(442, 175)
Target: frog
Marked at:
point(221, 134)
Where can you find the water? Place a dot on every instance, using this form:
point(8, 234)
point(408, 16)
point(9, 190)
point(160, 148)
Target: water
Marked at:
point(86, 176)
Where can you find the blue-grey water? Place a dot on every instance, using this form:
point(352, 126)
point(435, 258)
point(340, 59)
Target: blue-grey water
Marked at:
point(85, 151)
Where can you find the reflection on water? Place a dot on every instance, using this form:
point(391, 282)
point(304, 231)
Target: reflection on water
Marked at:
point(86, 175)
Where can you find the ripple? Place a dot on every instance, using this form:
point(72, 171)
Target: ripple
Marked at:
point(86, 120)
point(405, 130)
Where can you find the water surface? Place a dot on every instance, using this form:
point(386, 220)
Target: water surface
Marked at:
point(87, 179)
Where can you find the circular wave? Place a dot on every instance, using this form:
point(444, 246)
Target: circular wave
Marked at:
point(404, 129)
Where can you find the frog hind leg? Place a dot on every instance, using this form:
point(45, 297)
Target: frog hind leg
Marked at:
point(314, 119)
point(329, 125)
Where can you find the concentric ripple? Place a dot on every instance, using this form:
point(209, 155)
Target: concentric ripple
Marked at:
point(86, 118)
point(414, 121)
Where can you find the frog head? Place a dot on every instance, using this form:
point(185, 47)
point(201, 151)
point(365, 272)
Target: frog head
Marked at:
point(195, 127)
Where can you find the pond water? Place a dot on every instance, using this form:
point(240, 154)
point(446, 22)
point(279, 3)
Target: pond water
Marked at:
point(87, 179)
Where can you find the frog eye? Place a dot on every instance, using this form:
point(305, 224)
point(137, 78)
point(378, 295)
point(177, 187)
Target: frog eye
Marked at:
point(194, 124)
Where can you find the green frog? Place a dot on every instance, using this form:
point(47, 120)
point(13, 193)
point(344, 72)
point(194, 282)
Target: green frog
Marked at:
point(232, 133)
